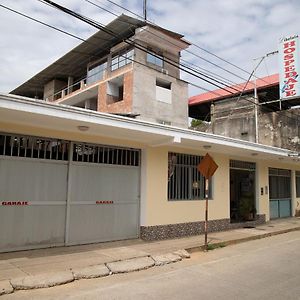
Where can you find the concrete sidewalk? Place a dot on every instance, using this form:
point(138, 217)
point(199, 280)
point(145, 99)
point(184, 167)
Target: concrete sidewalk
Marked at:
point(23, 264)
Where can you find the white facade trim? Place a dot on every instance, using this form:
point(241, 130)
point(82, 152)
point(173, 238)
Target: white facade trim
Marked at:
point(186, 137)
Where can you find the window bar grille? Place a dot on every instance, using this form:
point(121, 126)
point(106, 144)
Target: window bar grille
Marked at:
point(26, 146)
point(32, 141)
point(93, 154)
point(11, 145)
point(4, 148)
point(108, 155)
point(51, 146)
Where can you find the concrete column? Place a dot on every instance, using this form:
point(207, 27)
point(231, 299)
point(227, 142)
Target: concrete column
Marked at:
point(108, 69)
point(293, 192)
point(70, 83)
point(87, 104)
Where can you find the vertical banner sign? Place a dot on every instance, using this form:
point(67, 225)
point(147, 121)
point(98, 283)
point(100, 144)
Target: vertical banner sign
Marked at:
point(207, 167)
point(289, 67)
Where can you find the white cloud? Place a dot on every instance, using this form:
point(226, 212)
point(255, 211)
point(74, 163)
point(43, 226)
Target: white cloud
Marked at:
point(238, 31)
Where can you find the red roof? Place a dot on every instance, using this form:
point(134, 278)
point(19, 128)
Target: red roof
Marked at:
point(221, 94)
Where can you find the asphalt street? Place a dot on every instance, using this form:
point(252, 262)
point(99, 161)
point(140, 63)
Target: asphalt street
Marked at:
point(268, 268)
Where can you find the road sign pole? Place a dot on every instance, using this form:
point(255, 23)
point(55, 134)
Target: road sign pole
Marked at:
point(206, 214)
point(207, 168)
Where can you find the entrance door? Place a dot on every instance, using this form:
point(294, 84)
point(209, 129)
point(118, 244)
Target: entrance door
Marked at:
point(242, 191)
point(280, 193)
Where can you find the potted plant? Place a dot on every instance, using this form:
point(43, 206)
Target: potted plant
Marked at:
point(247, 209)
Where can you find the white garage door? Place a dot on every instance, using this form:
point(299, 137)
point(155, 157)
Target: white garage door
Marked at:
point(48, 199)
point(33, 182)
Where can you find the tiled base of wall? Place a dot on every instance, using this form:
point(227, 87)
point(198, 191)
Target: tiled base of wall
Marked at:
point(161, 232)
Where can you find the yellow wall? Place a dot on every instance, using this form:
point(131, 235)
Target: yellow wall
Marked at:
point(155, 207)
point(263, 174)
point(161, 211)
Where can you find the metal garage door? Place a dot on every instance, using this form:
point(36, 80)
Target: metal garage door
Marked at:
point(104, 197)
point(280, 193)
point(51, 198)
point(33, 177)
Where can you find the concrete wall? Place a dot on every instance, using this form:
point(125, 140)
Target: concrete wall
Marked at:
point(160, 211)
point(173, 70)
point(53, 87)
point(155, 207)
point(149, 108)
point(280, 129)
point(237, 120)
point(263, 173)
point(157, 210)
point(234, 119)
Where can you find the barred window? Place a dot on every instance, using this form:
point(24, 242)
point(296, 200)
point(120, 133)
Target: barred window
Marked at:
point(33, 147)
point(298, 184)
point(101, 154)
point(155, 59)
point(184, 180)
point(122, 59)
point(280, 183)
point(96, 72)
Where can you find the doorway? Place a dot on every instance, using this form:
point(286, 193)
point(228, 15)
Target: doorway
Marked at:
point(280, 193)
point(242, 191)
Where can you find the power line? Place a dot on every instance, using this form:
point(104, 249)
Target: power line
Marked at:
point(233, 88)
point(199, 47)
point(97, 25)
point(128, 41)
point(89, 54)
point(138, 62)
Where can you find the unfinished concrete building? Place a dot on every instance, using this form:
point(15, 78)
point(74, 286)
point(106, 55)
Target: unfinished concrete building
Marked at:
point(272, 122)
point(133, 72)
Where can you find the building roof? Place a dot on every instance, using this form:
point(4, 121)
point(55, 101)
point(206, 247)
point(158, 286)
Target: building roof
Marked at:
point(219, 94)
point(75, 61)
point(50, 118)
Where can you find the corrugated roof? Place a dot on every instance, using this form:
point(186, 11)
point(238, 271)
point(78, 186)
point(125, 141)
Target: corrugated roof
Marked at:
point(74, 63)
point(221, 94)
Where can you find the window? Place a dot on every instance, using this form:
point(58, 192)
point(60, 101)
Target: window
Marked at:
point(163, 91)
point(298, 184)
point(155, 59)
point(122, 59)
point(280, 183)
point(101, 154)
point(163, 83)
point(184, 180)
point(115, 90)
point(33, 147)
point(95, 73)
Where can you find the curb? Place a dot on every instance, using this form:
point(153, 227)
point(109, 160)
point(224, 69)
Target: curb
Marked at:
point(10, 286)
point(242, 240)
point(47, 280)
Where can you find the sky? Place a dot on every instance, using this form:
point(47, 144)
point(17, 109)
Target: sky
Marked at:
point(238, 31)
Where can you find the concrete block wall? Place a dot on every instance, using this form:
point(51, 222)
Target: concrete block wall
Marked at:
point(149, 108)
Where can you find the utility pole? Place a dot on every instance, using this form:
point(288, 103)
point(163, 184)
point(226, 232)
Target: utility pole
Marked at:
point(145, 10)
point(256, 105)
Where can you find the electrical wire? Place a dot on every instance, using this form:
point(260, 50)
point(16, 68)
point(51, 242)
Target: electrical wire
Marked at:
point(89, 54)
point(95, 23)
point(247, 82)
